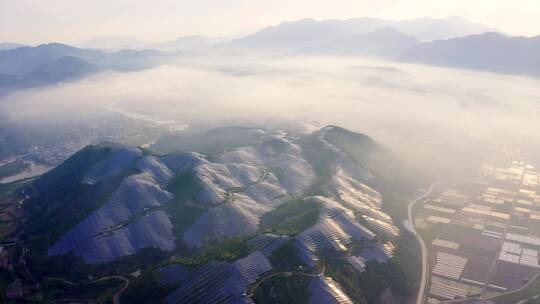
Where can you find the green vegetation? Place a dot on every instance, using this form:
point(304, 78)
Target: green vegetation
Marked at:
point(64, 200)
point(52, 291)
point(278, 172)
point(368, 286)
point(12, 189)
point(322, 160)
point(227, 250)
point(291, 217)
point(74, 269)
point(66, 266)
point(144, 259)
point(10, 215)
point(407, 260)
point(146, 290)
point(57, 181)
point(285, 258)
point(5, 279)
point(13, 168)
point(182, 217)
point(400, 274)
point(54, 217)
point(352, 281)
point(283, 290)
point(184, 186)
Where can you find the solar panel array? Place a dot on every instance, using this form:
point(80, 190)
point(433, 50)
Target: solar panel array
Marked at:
point(239, 217)
point(325, 234)
point(245, 272)
point(335, 229)
point(352, 191)
point(155, 168)
point(171, 275)
point(364, 200)
point(379, 253)
point(119, 228)
point(117, 163)
point(324, 290)
point(181, 161)
point(220, 282)
point(305, 254)
point(242, 188)
point(288, 158)
point(268, 243)
point(197, 285)
point(381, 227)
point(357, 262)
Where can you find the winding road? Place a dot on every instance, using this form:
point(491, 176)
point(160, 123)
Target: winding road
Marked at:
point(425, 266)
point(287, 273)
point(116, 295)
point(425, 261)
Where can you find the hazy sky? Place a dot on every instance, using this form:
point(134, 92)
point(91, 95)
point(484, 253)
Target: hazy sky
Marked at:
point(74, 21)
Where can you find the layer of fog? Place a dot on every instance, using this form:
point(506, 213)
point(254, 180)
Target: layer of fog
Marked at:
point(424, 113)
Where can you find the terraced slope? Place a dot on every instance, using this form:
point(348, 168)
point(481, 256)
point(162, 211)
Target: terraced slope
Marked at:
point(241, 188)
point(219, 282)
point(312, 191)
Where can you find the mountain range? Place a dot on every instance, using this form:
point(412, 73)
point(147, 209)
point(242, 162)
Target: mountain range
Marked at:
point(489, 52)
point(291, 36)
point(460, 44)
point(222, 214)
point(27, 66)
point(8, 45)
point(384, 42)
point(113, 43)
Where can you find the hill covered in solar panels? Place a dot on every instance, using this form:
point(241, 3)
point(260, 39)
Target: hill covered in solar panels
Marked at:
point(231, 210)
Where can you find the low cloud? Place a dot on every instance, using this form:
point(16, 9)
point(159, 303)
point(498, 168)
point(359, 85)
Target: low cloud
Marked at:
point(413, 109)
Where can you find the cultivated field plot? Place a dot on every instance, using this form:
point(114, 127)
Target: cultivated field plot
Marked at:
point(484, 238)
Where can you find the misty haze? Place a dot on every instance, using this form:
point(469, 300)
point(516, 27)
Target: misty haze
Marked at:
point(347, 152)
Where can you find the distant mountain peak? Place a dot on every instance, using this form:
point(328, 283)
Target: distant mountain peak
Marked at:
point(386, 31)
point(54, 45)
point(113, 43)
point(61, 69)
point(384, 42)
point(290, 36)
point(489, 51)
point(9, 45)
point(493, 35)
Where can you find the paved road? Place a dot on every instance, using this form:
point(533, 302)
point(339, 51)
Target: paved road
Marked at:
point(61, 280)
point(423, 247)
point(22, 261)
point(423, 281)
point(287, 273)
point(116, 296)
point(536, 297)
